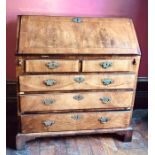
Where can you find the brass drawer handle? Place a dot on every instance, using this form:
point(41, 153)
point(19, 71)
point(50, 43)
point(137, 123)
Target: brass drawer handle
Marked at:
point(76, 117)
point(77, 20)
point(79, 79)
point(52, 65)
point(107, 81)
point(106, 64)
point(104, 120)
point(78, 97)
point(48, 123)
point(50, 82)
point(105, 100)
point(48, 101)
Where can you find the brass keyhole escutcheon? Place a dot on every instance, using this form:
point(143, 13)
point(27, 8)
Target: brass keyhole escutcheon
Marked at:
point(106, 65)
point(77, 20)
point(79, 79)
point(78, 97)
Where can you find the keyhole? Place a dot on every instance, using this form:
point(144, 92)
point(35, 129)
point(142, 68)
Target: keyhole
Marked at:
point(134, 62)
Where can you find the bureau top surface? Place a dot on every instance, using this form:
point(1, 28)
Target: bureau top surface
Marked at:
point(72, 35)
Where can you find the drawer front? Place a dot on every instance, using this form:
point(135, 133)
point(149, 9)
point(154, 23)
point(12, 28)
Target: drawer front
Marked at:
point(76, 101)
point(52, 65)
point(76, 82)
point(74, 121)
point(128, 64)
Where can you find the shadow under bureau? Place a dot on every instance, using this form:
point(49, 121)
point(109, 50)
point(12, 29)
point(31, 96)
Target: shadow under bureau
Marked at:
point(75, 76)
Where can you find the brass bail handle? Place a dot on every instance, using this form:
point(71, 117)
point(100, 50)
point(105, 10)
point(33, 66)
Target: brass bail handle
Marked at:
point(105, 100)
point(106, 64)
point(50, 82)
point(107, 82)
point(52, 65)
point(48, 123)
point(103, 120)
point(76, 117)
point(48, 101)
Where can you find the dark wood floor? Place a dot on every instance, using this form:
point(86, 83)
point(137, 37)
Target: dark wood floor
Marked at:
point(92, 145)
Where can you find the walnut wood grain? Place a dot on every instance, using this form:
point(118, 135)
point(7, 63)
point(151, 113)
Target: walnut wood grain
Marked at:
point(21, 69)
point(42, 66)
point(79, 48)
point(67, 82)
point(128, 64)
point(59, 35)
point(67, 101)
point(66, 121)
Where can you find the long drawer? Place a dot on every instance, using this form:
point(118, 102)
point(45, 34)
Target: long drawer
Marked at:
point(74, 121)
point(51, 65)
point(76, 82)
point(72, 101)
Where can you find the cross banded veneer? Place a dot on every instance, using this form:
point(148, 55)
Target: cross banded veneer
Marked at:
point(75, 76)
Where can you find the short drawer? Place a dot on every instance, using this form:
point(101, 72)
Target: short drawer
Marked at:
point(74, 121)
point(75, 101)
point(76, 82)
point(125, 64)
point(51, 65)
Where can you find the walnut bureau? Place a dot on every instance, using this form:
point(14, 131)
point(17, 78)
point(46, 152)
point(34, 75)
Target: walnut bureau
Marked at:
point(75, 76)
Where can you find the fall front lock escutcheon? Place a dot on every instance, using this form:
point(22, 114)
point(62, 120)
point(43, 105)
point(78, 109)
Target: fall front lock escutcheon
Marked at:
point(77, 20)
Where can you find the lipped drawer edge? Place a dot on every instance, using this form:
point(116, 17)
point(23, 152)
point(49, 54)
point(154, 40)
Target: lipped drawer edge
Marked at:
point(75, 101)
point(76, 82)
point(74, 121)
point(51, 65)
